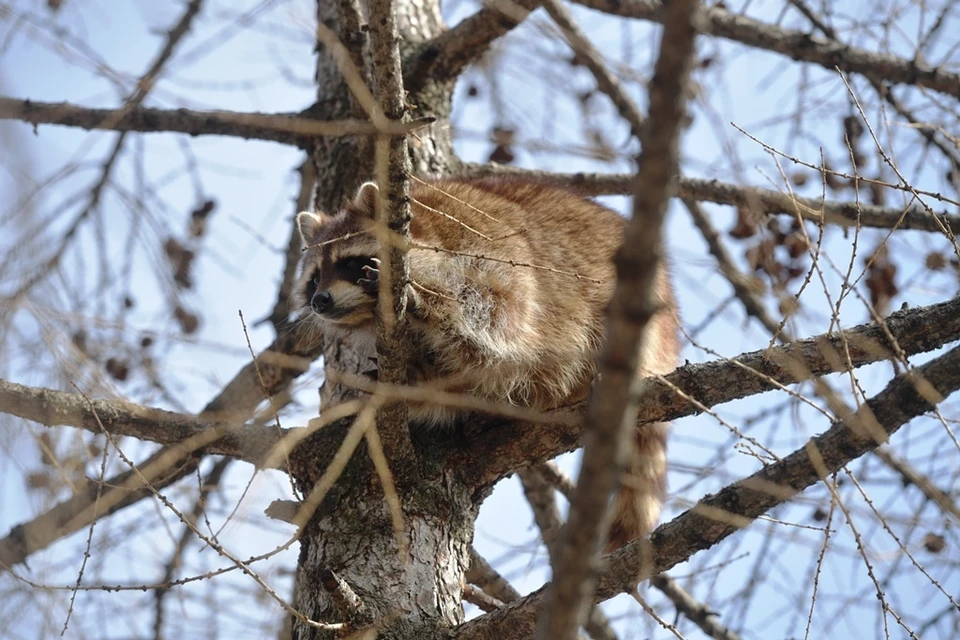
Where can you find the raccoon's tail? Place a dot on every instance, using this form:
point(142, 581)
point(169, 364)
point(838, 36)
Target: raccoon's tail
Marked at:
point(643, 487)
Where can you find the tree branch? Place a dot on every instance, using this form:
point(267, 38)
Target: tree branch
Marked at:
point(144, 85)
point(285, 128)
point(797, 45)
point(697, 612)
point(491, 455)
point(174, 36)
point(76, 512)
point(209, 482)
point(445, 57)
point(287, 357)
point(480, 598)
point(911, 476)
point(392, 166)
point(483, 575)
point(844, 214)
point(60, 408)
point(610, 413)
point(743, 285)
point(919, 330)
point(592, 59)
point(539, 494)
point(735, 506)
point(279, 316)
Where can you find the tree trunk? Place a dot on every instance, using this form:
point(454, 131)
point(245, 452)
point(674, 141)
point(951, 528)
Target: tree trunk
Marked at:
point(350, 540)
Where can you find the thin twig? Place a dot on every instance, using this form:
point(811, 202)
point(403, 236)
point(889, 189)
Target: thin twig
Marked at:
point(697, 612)
point(213, 544)
point(744, 287)
point(593, 60)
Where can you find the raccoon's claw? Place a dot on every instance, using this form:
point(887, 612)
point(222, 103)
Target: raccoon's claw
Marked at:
point(369, 284)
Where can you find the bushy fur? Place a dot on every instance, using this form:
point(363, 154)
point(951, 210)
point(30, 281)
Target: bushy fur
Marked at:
point(511, 310)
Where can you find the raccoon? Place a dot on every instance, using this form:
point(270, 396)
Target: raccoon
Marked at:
point(509, 284)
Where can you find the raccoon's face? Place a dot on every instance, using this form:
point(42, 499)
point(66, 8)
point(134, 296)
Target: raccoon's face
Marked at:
point(338, 280)
point(334, 290)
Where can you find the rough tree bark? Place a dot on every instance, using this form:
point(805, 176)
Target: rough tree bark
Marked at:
point(349, 544)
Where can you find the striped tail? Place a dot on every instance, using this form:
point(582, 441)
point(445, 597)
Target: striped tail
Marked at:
point(643, 487)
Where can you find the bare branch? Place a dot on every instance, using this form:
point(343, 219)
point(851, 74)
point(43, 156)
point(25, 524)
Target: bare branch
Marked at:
point(486, 577)
point(285, 128)
point(915, 330)
point(120, 491)
point(743, 285)
point(844, 214)
point(885, 92)
point(173, 564)
point(57, 408)
point(695, 611)
point(610, 414)
point(539, 494)
point(174, 36)
point(698, 613)
point(144, 85)
point(490, 455)
point(478, 597)
point(593, 60)
point(392, 166)
point(287, 357)
point(734, 507)
point(797, 45)
point(920, 481)
point(445, 57)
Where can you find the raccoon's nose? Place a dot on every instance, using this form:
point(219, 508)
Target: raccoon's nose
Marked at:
point(322, 302)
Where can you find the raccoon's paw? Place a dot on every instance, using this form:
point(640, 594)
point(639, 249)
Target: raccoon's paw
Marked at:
point(370, 283)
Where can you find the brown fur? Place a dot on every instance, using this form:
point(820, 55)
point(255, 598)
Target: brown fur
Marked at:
point(516, 316)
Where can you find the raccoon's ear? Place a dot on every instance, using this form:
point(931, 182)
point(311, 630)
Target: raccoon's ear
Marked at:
point(365, 202)
point(308, 223)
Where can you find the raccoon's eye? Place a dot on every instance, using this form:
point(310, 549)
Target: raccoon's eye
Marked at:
point(352, 264)
point(316, 280)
